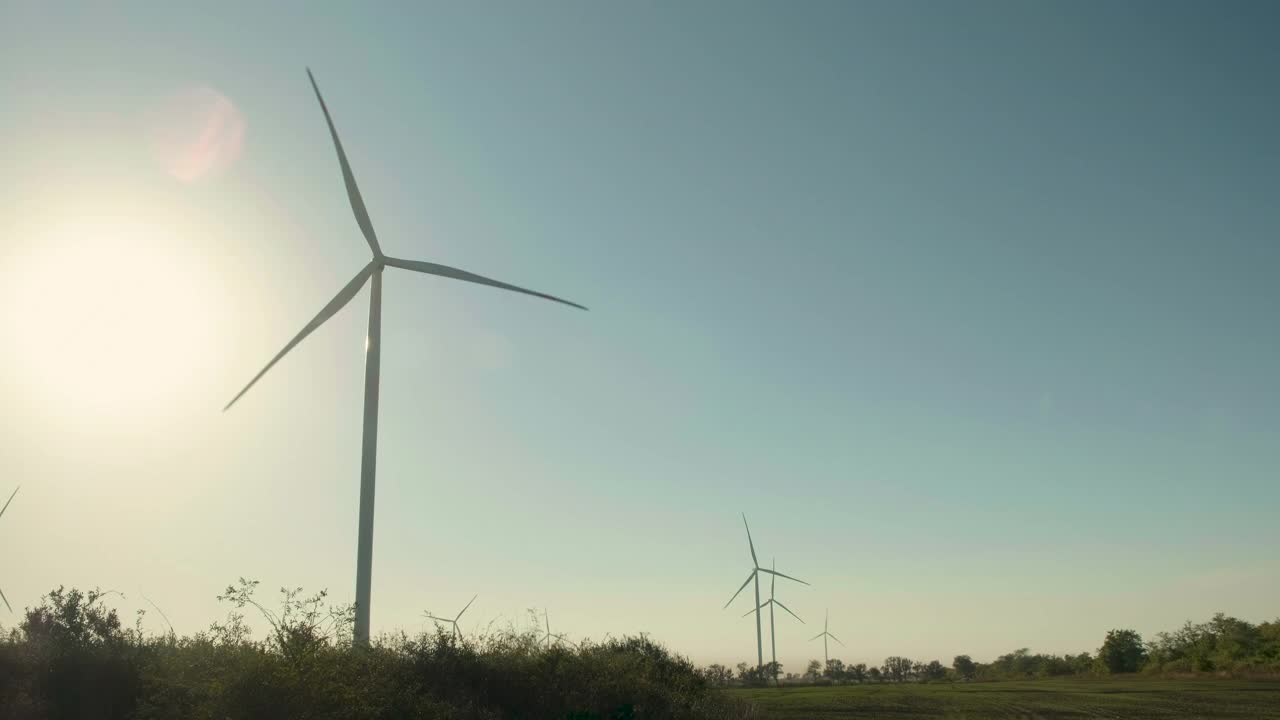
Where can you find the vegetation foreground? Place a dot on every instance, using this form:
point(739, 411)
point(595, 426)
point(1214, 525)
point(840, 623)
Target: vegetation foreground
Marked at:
point(71, 658)
point(1135, 698)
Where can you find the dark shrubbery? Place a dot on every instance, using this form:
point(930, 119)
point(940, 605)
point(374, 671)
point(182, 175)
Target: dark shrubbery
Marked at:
point(72, 658)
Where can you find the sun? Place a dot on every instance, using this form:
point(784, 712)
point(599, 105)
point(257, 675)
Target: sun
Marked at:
point(113, 316)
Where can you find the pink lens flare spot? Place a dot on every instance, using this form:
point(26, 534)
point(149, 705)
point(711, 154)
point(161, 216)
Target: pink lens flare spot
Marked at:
point(196, 133)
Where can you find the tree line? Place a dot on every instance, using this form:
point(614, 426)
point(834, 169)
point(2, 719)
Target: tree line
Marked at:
point(1224, 644)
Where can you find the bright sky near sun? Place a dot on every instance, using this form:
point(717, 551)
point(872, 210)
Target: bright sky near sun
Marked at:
point(971, 307)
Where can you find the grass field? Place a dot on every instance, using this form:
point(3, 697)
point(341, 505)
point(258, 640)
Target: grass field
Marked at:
point(1129, 699)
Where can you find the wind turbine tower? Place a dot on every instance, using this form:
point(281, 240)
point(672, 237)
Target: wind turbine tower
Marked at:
point(824, 635)
point(546, 614)
point(773, 634)
point(371, 273)
point(755, 575)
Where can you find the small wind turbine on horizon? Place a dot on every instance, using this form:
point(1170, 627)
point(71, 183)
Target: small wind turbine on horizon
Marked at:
point(755, 575)
point(456, 631)
point(6, 507)
point(546, 614)
point(826, 659)
point(773, 634)
point(373, 349)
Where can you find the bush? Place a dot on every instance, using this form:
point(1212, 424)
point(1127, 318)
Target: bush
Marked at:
point(72, 659)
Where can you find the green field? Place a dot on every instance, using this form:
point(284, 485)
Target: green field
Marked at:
point(1130, 699)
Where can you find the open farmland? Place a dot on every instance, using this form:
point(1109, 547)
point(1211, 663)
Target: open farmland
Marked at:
point(1145, 699)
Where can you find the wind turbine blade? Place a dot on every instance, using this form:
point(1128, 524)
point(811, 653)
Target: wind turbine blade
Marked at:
point(473, 599)
point(773, 579)
point(6, 601)
point(784, 607)
point(438, 619)
point(456, 274)
point(353, 192)
point(775, 572)
point(337, 303)
point(833, 637)
point(762, 606)
point(744, 585)
point(815, 637)
point(750, 544)
point(6, 502)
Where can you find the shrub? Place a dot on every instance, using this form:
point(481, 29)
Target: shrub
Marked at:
point(72, 659)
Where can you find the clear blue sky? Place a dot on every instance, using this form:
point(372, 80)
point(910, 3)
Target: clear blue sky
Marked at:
point(969, 306)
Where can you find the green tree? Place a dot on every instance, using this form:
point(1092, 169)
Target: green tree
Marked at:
point(834, 670)
point(856, 673)
point(964, 666)
point(1122, 652)
point(814, 671)
point(897, 668)
point(934, 671)
point(772, 671)
point(874, 674)
point(718, 674)
point(1080, 664)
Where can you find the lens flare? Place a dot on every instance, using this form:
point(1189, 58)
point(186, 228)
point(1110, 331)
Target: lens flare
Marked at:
point(196, 133)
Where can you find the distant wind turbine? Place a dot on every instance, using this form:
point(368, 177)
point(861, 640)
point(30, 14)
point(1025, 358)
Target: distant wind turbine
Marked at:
point(373, 349)
point(547, 616)
point(456, 631)
point(6, 507)
point(755, 575)
point(824, 635)
point(773, 634)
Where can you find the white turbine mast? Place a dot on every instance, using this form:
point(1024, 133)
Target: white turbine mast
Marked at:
point(373, 349)
point(755, 575)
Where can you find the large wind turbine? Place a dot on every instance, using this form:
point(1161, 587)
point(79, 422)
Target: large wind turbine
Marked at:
point(755, 575)
point(773, 634)
point(6, 507)
point(373, 347)
point(826, 659)
point(456, 631)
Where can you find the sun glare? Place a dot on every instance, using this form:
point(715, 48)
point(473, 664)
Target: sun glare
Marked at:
point(113, 317)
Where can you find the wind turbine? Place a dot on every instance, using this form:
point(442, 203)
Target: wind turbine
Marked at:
point(755, 575)
point(773, 634)
point(6, 507)
point(373, 347)
point(824, 635)
point(456, 632)
point(547, 616)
